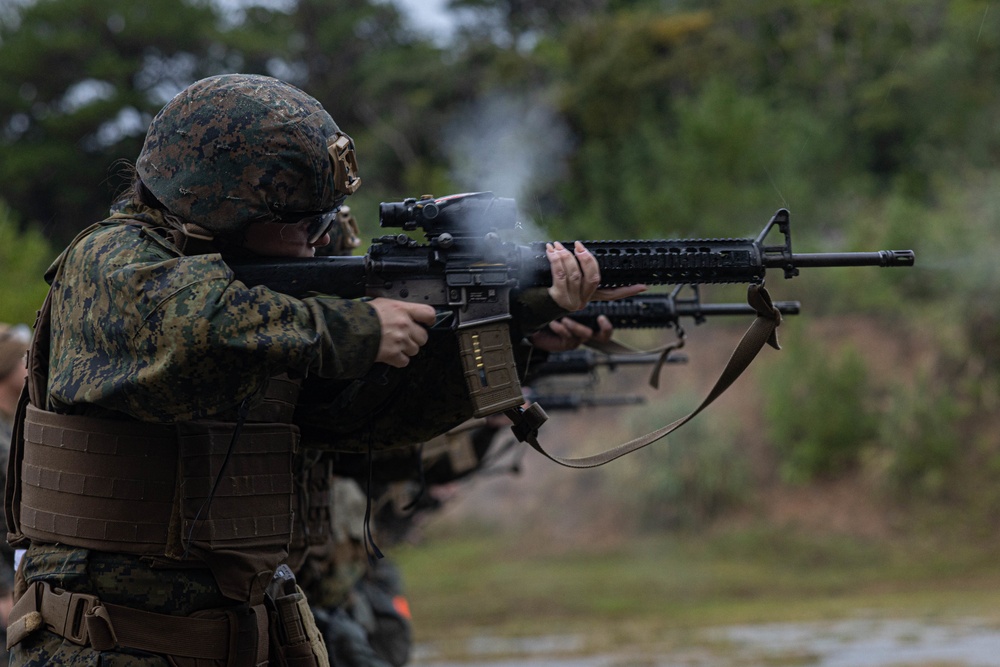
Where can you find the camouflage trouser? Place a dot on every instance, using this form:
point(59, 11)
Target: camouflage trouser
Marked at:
point(44, 649)
point(129, 636)
point(119, 579)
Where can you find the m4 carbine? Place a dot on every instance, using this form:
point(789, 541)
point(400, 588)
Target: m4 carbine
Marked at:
point(467, 271)
point(655, 311)
point(583, 362)
point(572, 401)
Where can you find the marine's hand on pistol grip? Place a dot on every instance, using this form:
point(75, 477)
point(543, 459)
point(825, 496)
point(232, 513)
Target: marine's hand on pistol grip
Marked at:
point(404, 329)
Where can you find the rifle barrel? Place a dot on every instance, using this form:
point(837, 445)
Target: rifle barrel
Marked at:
point(884, 258)
point(662, 310)
point(694, 310)
point(577, 362)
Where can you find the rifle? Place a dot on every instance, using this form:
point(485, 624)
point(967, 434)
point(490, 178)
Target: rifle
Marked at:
point(480, 451)
point(584, 361)
point(648, 311)
point(473, 448)
point(467, 271)
point(576, 400)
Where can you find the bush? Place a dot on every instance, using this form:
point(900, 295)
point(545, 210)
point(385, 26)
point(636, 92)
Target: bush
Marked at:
point(689, 478)
point(919, 438)
point(24, 256)
point(820, 411)
point(711, 171)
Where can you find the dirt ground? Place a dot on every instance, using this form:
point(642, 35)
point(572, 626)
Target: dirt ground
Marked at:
point(571, 505)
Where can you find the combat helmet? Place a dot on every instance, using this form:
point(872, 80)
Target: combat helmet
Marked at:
point(233, 149)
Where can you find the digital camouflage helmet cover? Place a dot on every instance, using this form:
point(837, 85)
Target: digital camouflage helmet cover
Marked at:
point(240, 148)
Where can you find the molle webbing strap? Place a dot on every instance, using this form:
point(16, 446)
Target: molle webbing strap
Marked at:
point(318, 498)
point(97, 483)
point(114, 486)
point(252, 502)
point(313, 524)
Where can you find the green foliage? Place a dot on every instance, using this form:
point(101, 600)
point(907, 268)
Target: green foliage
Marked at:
point(863, 66)
point(24, 256)
point(687, 479)
point(826, 416)
point(721, 168)
point(919, 439)
point(79, 82)
point(821, 409)
point(873, 123)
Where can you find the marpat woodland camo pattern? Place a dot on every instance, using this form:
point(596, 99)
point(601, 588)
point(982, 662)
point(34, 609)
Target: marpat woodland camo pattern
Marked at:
point(141, 331)
point(161, 337)
point(236, 148)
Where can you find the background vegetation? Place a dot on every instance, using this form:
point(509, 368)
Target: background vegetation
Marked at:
point(874, 123)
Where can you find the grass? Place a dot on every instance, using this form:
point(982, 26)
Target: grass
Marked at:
point(669, 588)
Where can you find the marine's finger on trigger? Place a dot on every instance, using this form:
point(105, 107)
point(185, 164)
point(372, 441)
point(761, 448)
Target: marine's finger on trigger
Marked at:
point(421, 312)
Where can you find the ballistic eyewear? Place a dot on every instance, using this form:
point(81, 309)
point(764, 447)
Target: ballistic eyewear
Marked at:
point(319, 223)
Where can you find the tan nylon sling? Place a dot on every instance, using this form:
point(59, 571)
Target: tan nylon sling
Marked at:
point(762, 331)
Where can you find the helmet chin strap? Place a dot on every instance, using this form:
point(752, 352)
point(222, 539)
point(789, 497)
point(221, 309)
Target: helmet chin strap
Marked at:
point(193, 231)
point(196, 240)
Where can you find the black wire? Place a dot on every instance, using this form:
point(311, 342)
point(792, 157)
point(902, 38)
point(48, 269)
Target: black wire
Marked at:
point(422, 481)
point(241, 418)
point(374, 553)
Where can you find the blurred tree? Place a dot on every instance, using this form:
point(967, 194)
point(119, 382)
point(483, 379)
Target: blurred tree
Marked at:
point(388, 87)
point(79, 82)
point(24, 256)
point(519, 24)
point(895, 81)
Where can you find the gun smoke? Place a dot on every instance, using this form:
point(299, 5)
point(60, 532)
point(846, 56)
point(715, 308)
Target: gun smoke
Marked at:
point(515, 145)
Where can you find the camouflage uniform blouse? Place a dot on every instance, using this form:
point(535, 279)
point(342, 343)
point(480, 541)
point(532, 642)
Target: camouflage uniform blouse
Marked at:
point(160, 337)
point(141, 331)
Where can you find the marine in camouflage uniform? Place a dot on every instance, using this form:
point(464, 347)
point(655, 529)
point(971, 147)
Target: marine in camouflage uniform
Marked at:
point(152, 481)
point(13, 346)
point(167, 368)
point(364, 622)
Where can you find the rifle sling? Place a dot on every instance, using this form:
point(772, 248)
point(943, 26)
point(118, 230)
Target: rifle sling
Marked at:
point(762, 331)
point(614, 347)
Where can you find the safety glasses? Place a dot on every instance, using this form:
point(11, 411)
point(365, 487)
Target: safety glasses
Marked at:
point(319, 224)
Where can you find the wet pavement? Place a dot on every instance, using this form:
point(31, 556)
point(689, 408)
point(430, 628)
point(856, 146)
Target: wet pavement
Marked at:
point(861, 642)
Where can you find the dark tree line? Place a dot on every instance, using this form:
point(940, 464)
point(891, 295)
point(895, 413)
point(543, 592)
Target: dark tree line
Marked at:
point(635, 115)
